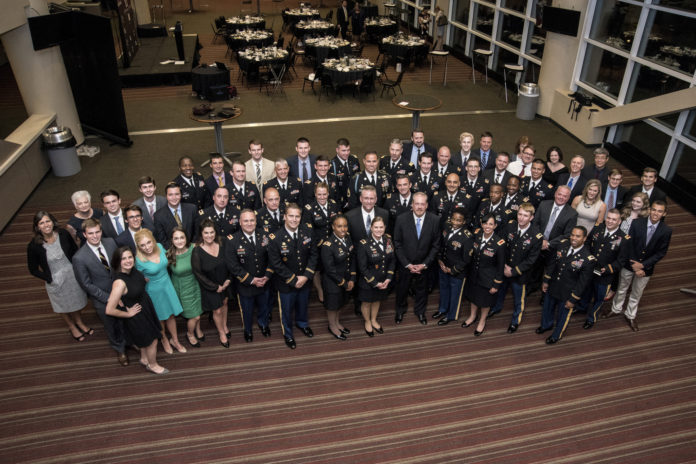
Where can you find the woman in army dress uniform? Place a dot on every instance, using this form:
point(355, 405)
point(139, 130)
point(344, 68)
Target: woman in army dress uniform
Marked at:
point(486, 276)
point(338, 278)
point(319, 213)
point(376, 260)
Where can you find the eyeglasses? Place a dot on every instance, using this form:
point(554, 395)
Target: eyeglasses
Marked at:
point(134, 217)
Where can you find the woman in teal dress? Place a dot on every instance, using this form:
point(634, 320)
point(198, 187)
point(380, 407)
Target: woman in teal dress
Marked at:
point(151, 260)
point(186, 285)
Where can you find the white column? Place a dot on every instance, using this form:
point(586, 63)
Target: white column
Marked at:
point(40, 75)
point(142, 11)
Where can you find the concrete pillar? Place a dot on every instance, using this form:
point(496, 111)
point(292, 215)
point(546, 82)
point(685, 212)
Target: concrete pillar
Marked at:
point(142, 11)
point(40, 75)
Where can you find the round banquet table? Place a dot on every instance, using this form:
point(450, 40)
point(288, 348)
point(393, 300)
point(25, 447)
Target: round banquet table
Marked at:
point(295, 17)
point(301, 31)
point(416, 104)
point(238, 44)
point(256, 25)
point(321, 52)
point(217, 122)
point(203, 78)
point(406, 52)
point(339, 78)
point(379, 31)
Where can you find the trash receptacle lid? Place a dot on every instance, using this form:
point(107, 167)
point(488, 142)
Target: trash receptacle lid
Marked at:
point(57, 134)
point(529, 88)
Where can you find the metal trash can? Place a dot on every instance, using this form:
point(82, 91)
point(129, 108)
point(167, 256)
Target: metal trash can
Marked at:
point(59, 144)
point(527, 101)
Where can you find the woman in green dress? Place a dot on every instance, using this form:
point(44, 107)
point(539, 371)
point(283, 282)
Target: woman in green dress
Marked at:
point(186, 285)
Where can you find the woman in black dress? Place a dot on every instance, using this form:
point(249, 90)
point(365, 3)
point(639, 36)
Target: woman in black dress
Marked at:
point(141, 322)
point(376, 261)
point(208, 264)
point(554, 165)
point(82, 201)
point(486, 276)
point(338, 278)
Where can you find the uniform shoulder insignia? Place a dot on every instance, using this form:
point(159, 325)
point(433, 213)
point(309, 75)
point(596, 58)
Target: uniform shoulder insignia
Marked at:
point(256, 213)
point(326, 243)
point(308, 181)
point(509, 211)
point(477, 230)
point(511, 220)
point(525, 199)
point(199, 174)
point(201, 212)
point(550, 186)
point(308, 207)
point(564, 240)
point(468, 196)
point(591, 257)
point(388, 195)
point(501, 242)
point(539, 235)
point(410, 164)
point(309, 226)
point(486, 181)
point(627, 236)
point(363, 241)
point(229, 237)
point(467, 233)
point(271, 236)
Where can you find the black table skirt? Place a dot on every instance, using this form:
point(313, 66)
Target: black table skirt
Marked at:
point(339, 78)
point(302, 32)
point(381, 31)
point(240, 44)
point(322, 53)
point(232, 28)
point(406, 53)
point(202, 79)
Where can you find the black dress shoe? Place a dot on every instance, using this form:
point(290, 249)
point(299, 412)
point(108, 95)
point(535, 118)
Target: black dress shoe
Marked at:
point(443, 321)
point(490, 315)
point(551, 340)
point(423, 320)
point(248, 337)
point(225, 344)
point(291, 343)
point(266, 331)
point(306, 331)
point(438, 315)
point(345, 331)
point(201, 338)
point(477, 333)
point(398, 318)
point(228, 334)
point(379, 330)
point(370, 333)
point(587, 325)
point(465, 325)
point(512, 329)
point(632, 324)
point(195, 345)
point(340, 336)
point(540, 330)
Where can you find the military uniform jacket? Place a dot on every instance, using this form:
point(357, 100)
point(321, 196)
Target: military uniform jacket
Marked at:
point(456, 251)
point(449, 169)
point(568, 276)
point(374, 264)
point(611, 252)
point(522, 251)
point(320, 222)
point(250, 199)
point(514, 202)
point(265, 220)
point(393, 204)
point(541, 191)
point(443, 207)
point(197, 194)
point(339, 263)
point(487, 261)
point(383, 186)
point(308, 188)
point(435, 183)
point(292, 193)
point(289, 259)
point(344, 172)
point(225, 224)
point(501, 214)
point(246, 260)
point(403, 166)
point(479, 191)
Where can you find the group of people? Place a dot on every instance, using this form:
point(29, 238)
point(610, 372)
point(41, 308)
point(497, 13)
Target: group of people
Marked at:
point(470, 221)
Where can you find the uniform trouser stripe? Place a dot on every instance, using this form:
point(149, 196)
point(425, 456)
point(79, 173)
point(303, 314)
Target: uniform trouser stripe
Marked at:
point(280, 312)
point(565, 324)
point(459, 301)
point(241, 311)
point(598, 304)
point(523, 298)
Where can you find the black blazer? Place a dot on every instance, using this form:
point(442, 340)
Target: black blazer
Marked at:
point(339, 264)
point(356, 225)
point(490, 162)
point(654, 251)
point(292, 192)
point(165, 223)
point(487, 262)
point(246, 260)
point(569, 276)
point(295, 168)
point(611, 252)
point(409, 248)
point(565, 221)
point(374, 264)
point(212, 185)
point(577, 186)
point(456, 251)
point(621, 192)
point(408, 148)
point(656, 194)
point(289, 260)
point(522, 252)
point(490, 175)
point(198, 194)
point(36, 255)
point(589, 173)
point(108, 229)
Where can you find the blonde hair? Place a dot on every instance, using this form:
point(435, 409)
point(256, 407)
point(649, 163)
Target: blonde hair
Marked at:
point(464, 135)
point(139, 235)
point(589, 184)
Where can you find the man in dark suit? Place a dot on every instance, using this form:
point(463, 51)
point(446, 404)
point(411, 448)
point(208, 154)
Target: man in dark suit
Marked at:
point(574, 178)
point(149, 203)
point(499, 174)
point(175, 213)
point(417, 146)
point(342, 18)
point(614, 193)
point(463, 152)
point(650, 238)
point(484, 152)
point(555, 218)
point(647, 186)
point(192, 184)
point(302, 164)
point(113, 222)
point(134, 220)
point(599, 169)
point(219, 177)
point(416, 245)
point(92, 267)
point(359, 218)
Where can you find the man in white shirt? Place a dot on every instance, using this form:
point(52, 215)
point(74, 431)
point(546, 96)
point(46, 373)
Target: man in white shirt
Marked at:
point(466, 142)
point(112, 223)
point(259, 170)
point(523, 167)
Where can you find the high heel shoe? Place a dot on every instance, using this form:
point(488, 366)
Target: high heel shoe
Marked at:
point(340, 336)
point(370, 333)
point(345, 331)
point(195, 345)
point(179, 348)
point(162, 372)
point(228, 334)
point(225, 344)
point(79, 338)
point(379, 330)
point(465, 324)
point(89, 331)
point(201, 338)
point(164, 347)
point(477, 333)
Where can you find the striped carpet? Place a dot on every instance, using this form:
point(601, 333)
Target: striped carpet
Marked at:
point(413, 395)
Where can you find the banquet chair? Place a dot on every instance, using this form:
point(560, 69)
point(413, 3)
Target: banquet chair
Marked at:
point(391, 85)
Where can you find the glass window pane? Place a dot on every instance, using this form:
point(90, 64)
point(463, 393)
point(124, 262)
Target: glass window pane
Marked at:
point(505, 57)
point(484, 19)
point(461, 11)
point(669, 119)
point(686, 169)
point(459, 40)
point(690, 126)
point(671, 42)
point(512, 27)
point(615, 23)
point(603, 70)
point(517, 5)
point(652, 83)
point(536, 45)
point(686, 5)
point(644, 137)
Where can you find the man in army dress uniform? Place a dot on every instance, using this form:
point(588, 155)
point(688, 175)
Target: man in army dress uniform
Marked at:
point(270, 216)
point(534, 187)
point(243, 194)
point(192, 185)
point(222, 213)
point(370, 176)
point(394, 164)
point(289, 188)
point(344, 166)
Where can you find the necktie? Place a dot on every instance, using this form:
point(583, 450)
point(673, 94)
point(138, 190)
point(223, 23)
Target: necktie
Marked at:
point(151, 210)
point(368, 221)
point(119, 227)
point(552, 219)
point(425, 179)
point(484, 159)
point(418, 227)
point(442, 171)
point(651, 231)
point(103, 260)
point(570, 182)
point(497, 178)
point(220, 216)
point(294, 237)
point(323, 210)
point(532, 186)
point(404, 203)
point(305, 173)
point(251, 239)
point(570, 252)
point(521, 174)
point(258, 175)
point(220, 181)
point(380, 245)
point(393, 165)
point(282, 187)
point(371, 180)
point(275, 216)
point(612, 200)
point(177, 218)
point(451, 198)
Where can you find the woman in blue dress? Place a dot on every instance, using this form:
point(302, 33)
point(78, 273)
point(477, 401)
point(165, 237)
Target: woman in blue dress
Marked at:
point(151, 260)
